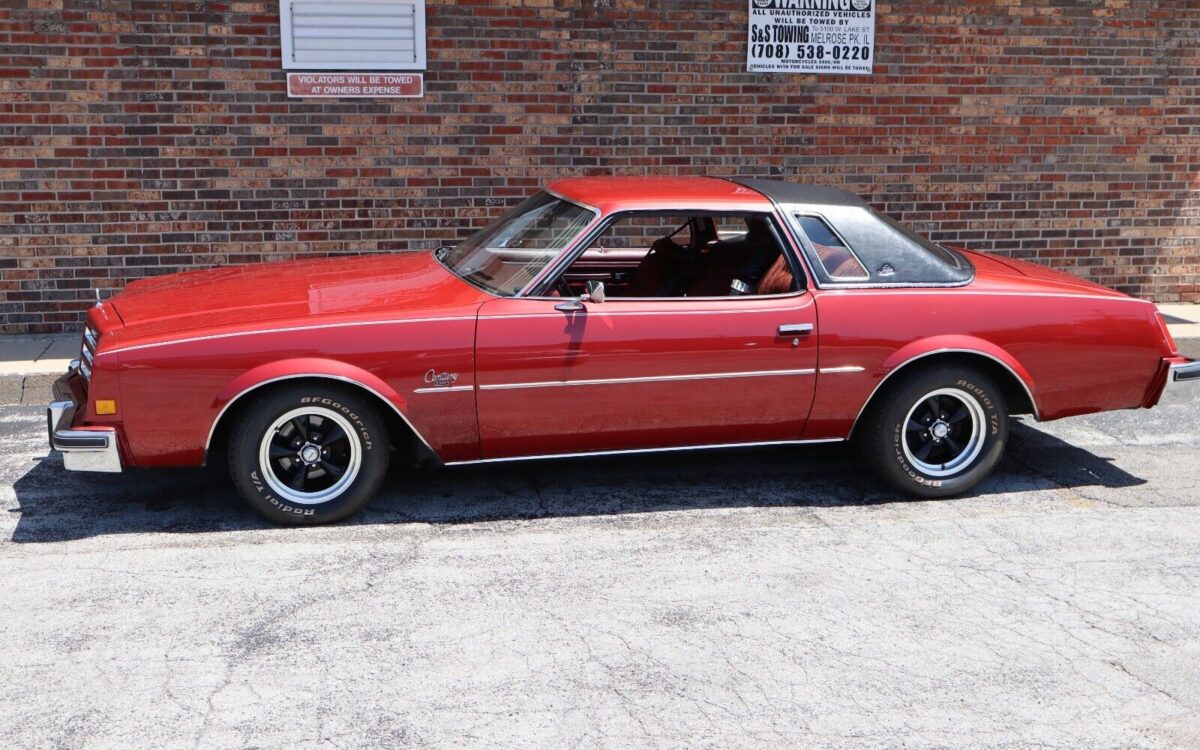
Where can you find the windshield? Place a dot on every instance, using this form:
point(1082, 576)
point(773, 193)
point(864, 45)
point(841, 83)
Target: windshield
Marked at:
point(506, 255)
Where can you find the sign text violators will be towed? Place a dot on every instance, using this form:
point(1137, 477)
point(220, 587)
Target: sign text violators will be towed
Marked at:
point(811, 36)
point(355, 85)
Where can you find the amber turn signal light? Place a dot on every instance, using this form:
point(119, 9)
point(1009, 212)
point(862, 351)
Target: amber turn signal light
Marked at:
point(106, 406)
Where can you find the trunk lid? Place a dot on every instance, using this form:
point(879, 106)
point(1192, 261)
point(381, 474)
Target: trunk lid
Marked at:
point(987, 265)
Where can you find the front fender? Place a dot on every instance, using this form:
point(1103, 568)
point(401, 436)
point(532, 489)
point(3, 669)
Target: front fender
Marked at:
point(304, 367)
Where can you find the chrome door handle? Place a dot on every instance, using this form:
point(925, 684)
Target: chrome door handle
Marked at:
point(795, 329)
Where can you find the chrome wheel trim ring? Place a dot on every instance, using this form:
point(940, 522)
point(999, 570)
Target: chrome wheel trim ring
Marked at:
point(970, 450)
point(267, 467)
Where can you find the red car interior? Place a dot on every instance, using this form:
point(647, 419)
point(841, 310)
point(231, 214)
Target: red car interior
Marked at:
point(779, 278)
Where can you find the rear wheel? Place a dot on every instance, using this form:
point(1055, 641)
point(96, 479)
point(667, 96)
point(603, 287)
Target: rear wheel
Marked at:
point(938, 432)
point(308, 454)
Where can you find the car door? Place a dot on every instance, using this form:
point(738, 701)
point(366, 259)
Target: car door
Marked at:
point(643, 374)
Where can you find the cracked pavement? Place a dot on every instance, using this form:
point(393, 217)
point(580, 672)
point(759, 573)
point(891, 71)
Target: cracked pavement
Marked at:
point(757, 598)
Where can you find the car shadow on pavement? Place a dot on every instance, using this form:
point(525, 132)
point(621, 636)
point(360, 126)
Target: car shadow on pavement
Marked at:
point(56, 505)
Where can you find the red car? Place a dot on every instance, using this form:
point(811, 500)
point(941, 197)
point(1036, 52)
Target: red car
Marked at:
point(605, 315)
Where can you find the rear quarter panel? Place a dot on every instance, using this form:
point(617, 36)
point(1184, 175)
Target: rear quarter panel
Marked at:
point(1077, 353)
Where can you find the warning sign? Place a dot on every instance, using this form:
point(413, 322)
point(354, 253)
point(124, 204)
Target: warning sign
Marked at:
point(811, 36)
point(356, 85)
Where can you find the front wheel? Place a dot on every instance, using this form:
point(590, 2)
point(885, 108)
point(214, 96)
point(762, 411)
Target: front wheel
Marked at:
point(306, 455)
point(938, 432)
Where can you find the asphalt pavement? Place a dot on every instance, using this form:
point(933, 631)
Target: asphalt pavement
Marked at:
point(755, 598)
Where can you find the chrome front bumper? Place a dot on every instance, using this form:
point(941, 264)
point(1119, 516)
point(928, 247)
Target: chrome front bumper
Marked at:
point(93, 449)
point(1181, 373)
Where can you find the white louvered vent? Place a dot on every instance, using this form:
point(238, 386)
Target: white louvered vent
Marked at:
point(363, 35)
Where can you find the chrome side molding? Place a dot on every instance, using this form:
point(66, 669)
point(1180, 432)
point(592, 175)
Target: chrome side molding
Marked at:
point(645, 379)
point(212, 429)
point(909, 361)
point(671, 449)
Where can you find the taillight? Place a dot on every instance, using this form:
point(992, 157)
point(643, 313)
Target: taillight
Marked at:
point(1166, 334)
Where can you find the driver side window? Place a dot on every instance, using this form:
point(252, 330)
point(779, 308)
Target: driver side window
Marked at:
point(673, 255)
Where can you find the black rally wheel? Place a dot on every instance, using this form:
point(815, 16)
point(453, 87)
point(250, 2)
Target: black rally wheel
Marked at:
point(308, 454)
point(938, 431)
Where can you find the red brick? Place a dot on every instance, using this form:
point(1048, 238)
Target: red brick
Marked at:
point(138, 139)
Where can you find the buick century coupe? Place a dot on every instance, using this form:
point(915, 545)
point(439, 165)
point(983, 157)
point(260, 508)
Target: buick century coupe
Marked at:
point(605, 315)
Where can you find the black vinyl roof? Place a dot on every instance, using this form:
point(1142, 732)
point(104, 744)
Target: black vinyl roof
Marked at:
point(892, 254)
point(792, 192)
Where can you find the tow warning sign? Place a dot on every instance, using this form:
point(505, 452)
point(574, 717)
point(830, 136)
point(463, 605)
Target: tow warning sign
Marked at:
point(811, 36)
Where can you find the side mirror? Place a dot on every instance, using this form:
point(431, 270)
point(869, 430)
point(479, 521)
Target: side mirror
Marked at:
point(594, 293)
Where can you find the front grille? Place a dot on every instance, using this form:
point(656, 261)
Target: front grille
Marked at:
point(87, 352)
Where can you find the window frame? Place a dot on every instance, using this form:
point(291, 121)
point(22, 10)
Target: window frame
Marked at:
point(815, 257)
point(583, 231)
point(286, 42)
point(537, 289)
point(821, 280)
point(821, 274)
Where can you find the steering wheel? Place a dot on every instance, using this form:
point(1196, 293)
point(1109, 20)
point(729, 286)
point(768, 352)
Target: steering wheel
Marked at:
point(562, 287)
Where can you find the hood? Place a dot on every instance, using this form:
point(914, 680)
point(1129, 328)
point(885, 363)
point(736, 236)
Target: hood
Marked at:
point(1009, 270)
point(239, 295)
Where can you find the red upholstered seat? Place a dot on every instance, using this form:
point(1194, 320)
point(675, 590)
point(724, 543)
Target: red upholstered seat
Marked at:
point(778, 279)
point(839, 262)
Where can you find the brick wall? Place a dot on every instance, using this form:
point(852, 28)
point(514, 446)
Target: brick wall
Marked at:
point(142, 137)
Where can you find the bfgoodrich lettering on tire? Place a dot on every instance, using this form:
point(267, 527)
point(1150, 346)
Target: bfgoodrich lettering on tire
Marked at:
point(308, 454)
point(937, 432)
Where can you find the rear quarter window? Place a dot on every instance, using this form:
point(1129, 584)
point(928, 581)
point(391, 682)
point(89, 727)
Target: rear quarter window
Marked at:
point(837, 259)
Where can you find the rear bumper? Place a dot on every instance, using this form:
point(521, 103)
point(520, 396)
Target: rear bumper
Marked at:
point(84, 449)
point(1181, 373)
